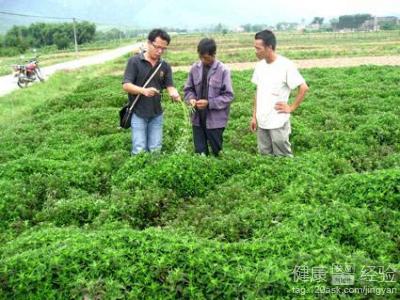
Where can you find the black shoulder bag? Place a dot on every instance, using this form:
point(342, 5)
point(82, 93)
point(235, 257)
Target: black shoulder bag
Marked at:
point(125, 114)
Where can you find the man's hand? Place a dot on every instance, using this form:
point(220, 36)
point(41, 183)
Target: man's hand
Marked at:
point(175, 96)
point(201, 103)
point(173, 93)
point(283, 107)
point(253, 124)
point(192, 102)
point(150, 92)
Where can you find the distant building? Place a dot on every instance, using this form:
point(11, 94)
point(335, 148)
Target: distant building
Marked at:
point(300, 27)
point(370, 25)
point(238, 29)
point(394, 20)
point(376, 23)
point(287, 26)
point(315, 26)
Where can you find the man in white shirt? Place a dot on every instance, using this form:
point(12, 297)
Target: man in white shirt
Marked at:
point(275, 77)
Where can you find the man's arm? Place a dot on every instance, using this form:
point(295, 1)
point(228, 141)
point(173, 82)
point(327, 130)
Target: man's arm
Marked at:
point(253, 122)
point(137, 90)
point(189, 90)
point(173, 93)
point(169, 84)
point(283, 107)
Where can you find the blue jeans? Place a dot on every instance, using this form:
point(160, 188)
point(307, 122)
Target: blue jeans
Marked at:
point(146, 133)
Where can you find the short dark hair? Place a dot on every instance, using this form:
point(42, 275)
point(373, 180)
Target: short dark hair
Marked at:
point(159, 33)
point(207, 46)
point(268, 38)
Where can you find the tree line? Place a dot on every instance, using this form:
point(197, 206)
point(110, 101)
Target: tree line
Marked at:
point(37, 35)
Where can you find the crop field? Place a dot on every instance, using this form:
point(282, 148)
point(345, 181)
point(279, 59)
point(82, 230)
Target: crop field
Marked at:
point(81, 218)
point(239, 47)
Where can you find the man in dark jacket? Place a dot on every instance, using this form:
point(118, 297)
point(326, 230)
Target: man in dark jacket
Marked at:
point(209, 90)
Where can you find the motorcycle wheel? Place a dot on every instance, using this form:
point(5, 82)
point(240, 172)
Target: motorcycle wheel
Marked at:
point(22, 84)
point(39, 74)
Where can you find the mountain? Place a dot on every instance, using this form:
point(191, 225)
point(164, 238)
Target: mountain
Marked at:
point(189, 14)
point(120, 13)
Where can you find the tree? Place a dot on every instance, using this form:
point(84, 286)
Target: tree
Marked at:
point(258, 27)
point(220, 28)
point(62, 40)
point(85, 32)
point(353, 21)
point(317, 20)
point(388, 26)
point(247, 27)
point(388, 23)
point(113, 34)
point(334, 23)
point(43, 34)
point(17, 37)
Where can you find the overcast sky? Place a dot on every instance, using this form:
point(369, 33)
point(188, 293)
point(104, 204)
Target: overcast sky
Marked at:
point(199, 13)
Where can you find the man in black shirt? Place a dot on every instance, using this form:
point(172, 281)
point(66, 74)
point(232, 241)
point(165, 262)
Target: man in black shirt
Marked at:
point(147, 117)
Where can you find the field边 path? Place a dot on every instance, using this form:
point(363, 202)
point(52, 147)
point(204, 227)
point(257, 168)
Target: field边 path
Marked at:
point(334, 62)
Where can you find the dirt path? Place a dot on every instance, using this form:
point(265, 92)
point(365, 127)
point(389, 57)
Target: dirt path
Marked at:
point(334, 62)
point(8, 83)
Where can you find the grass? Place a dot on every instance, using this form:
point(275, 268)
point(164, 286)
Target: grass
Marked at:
point(19, 103)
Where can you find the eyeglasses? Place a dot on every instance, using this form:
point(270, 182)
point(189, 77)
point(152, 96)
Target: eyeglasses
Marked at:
point(161, 48)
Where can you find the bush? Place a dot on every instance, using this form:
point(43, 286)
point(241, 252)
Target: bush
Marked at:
point(185, 174)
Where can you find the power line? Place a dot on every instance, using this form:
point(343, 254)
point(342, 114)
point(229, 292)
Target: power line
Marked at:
point(25, 15)
point(61, 18)
point(118, 25)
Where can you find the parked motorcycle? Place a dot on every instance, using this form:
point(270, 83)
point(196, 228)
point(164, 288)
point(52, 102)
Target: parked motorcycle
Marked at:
point(28, 73)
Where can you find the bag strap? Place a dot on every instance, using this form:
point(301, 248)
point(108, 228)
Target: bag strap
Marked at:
point(145, 84)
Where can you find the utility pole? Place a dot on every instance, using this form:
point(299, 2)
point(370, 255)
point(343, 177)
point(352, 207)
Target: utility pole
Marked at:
point(76, 41)
point(375, 23)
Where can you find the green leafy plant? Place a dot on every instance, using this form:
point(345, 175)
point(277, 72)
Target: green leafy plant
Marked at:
point(80, 218)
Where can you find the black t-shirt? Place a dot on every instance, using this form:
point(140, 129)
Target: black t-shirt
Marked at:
point(138, 69)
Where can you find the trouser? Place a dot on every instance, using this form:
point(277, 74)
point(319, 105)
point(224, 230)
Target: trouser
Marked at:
point(146, 133)
point(275, 141)
point(202, 137)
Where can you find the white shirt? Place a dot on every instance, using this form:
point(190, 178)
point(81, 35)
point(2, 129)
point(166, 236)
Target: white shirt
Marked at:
point(274, 82)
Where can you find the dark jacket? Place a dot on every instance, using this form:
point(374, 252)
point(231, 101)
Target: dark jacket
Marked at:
point(220, 93)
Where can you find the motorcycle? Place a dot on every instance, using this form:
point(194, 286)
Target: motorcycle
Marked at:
point(28, 73)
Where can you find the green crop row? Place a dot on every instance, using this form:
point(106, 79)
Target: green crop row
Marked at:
point(80, 218)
